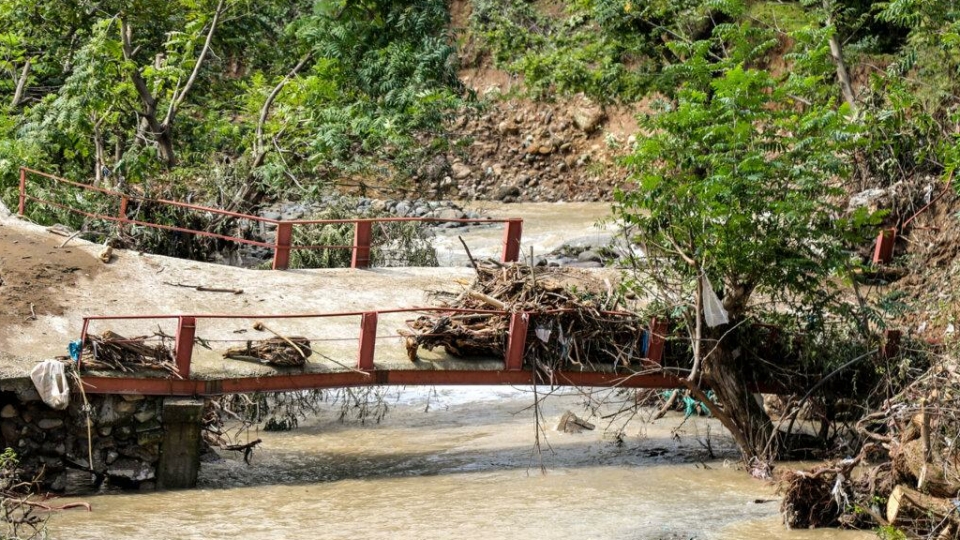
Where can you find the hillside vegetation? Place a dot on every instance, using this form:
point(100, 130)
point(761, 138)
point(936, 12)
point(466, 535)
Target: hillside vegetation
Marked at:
point(291, 98)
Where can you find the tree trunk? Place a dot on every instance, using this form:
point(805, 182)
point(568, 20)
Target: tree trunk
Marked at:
point(843, 76)
point(745, 418)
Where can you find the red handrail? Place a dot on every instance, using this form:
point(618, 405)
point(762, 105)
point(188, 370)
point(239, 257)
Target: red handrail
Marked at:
point(366, 372)
point(282, 245)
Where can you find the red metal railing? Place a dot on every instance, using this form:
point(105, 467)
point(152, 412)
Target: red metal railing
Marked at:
point(283, 240)
point(366, 372)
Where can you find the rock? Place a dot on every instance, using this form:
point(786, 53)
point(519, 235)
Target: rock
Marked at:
point(145, 415)
point(589, 242)
point(4, 211)
point(131, 470)
point(872, 199)
point(460, 171)
point(8, 428)
point(588, 117)
point(507, 191)
point(588, 264)
point(133, 397)
point(507, 128)
point(147, 454)
point(112, 457)
point(124, 407)
point(545, 149)
point(570, 423)
point(9, 411)
point(403, 208)
point(50, 423)
point(378, 206)
point(105, 431)
point(59, 483)
point(450, 213)
point(589, 255)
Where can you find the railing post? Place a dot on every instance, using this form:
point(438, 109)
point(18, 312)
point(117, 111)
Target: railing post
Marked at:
point(511, 240)
point(186, 330)
point(281, 246)
point(362, 234)
point(83, 342)
point(122, 214)
point(23, 191)
point(658, 335)
point(884, 251)
point(368, 341)
point(516, 341)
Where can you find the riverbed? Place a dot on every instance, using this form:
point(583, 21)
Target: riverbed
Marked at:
point(462, 463)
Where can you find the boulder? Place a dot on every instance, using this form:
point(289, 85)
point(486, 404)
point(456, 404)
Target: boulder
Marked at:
point(504, 192)
point(588, 116)
point(570, 423)
point(589, 255)
point(461, 171)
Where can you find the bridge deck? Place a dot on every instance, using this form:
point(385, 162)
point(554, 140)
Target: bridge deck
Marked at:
point(48, 290)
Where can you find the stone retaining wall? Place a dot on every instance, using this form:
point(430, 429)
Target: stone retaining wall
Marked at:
point(126, 433)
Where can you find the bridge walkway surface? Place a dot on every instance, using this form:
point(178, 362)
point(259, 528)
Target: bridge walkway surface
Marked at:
point(52, 294)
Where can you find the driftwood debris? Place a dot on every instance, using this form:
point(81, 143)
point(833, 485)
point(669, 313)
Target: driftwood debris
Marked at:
point(204, 288)
point(571, 324)
point(111, 351)
point(276, 351)
point(908, 473)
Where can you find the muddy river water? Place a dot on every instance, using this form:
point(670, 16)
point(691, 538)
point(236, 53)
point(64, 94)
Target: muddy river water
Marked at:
point(461, 463)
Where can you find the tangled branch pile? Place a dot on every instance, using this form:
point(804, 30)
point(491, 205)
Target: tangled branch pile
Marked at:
point(115, 352)
point(572, 322)
point(910, 467)
point(277, 351)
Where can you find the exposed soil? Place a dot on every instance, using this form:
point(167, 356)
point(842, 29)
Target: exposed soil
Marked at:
point(519, 150)
point(929, 253)
point(32, 269)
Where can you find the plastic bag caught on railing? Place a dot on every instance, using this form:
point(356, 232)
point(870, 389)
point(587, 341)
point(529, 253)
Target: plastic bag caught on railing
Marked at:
point(713, 312)
point(50, 380)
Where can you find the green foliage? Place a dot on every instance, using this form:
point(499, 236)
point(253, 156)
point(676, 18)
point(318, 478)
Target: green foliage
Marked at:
point(735, 181)
point(392, 243)
point(377, 83)
point(592, 47)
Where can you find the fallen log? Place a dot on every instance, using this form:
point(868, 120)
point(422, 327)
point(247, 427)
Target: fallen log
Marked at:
point(939, 475)
point(908, 504)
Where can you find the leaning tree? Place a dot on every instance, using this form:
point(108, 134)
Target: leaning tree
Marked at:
point(739, 187)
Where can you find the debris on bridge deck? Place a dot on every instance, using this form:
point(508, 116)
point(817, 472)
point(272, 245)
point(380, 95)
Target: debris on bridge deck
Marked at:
point(111, 351)
point(574, 322)
point(277, 351)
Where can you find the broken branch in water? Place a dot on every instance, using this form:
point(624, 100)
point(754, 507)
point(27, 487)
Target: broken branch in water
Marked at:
point(247, 449)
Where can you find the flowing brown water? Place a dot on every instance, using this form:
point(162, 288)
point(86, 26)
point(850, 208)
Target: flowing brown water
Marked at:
point(460, 463)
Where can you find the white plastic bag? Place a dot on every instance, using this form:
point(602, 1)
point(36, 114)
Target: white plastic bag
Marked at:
point(51, 382)
point(713, 312)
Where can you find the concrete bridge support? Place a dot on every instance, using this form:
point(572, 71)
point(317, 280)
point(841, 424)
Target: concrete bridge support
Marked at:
point(180, 448)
